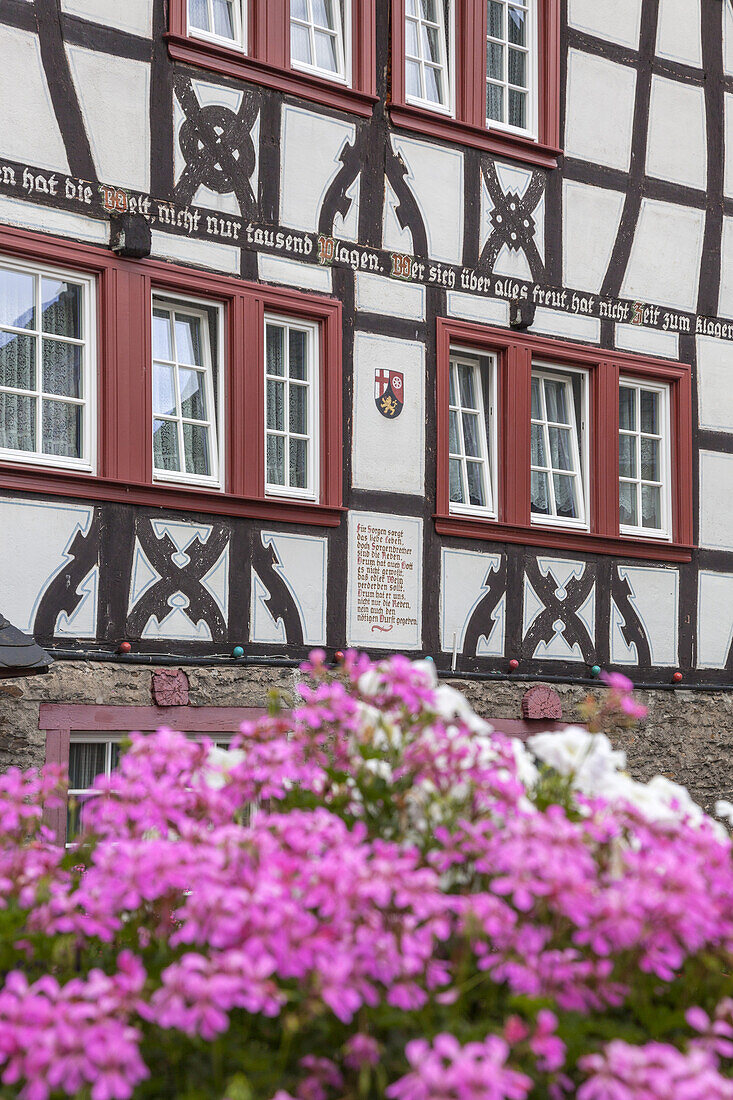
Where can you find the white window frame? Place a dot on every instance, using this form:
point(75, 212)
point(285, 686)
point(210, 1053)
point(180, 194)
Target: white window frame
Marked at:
point(447, 60)
point(88, 342)
point(343, 43)
point(198, 307)
point(311, 328)
point(579, 439)
point(663, 533)
point(532, 50)
point(486, 390)
point(239, 11)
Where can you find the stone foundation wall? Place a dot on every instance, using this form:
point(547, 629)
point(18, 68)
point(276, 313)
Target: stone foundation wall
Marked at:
point(687, 736)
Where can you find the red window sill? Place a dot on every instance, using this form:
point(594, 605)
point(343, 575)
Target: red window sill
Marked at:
point(175, 498)
point(575, 541)
point(218, 59)
point(491, 141)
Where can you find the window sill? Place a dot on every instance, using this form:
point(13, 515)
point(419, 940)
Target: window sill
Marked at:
point(491, 141)
point(172, 497)
point(228, 62)
point(576, 541)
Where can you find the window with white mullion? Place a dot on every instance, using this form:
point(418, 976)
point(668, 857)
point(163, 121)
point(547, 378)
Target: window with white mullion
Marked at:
point(428, 79)
point(511, 64)
point(291, 423)
point(470, 467)
point(185, 443)
point(644, 473)
point(46, 354)
point(557, 489)
point(317, 36)
point(220, 20)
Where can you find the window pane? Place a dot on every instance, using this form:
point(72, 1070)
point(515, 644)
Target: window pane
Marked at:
point(224, 18)
point(456, 482)
point(476, 494)
point(517, 68)
point(429, 10)
point(410, 7)
point(300, 44)
point(561, 450)
point(298, 463)
point(196, 446)
point(198, 14)
point(471, 436)
point(299, 10)
point(411, 46)
point(627, 455)
point(188, 340)
point(650, 412)
point(164, 390)
point(627, 505)
point(162, 348)
point(468, 390)
point(86, 762)
point(17, 299)
point(434, 85)
point(453, 384)
point(298, 354)
point(517, 26)
point(495, 19)
point(62, 369)
point(431, 44)
point(193, 396)
point(275, 350)
point(61, 429)
point(165, 446)
point(556, 398)
point(536, 400)
point(412, 79)
point(650, 459)
point(17, 361)
point(17, 422)
point(276, 405)
point(326, 52)
point(627, 408)
point(298, 409)
point(540, 494)
point(323, 15)
point(495, 60)
point(539, 458)
point(518, 109)
point(61, 308)
point(651, 506)
point(495, 102)
point(275, 460)
point(566, 496)
point(453, 434)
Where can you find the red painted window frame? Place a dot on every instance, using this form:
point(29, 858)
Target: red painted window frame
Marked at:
point(515, 352)
point(124, 368)
point(468, 125)
point(267, 60)
point(59, 720)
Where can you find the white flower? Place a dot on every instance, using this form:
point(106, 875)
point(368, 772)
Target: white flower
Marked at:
point(589, 758)
point(451, 705)
point(379, 768)
point(219, 763)
point(377, 730)
point(724, 809)
point(428, 672)
point(527, 773)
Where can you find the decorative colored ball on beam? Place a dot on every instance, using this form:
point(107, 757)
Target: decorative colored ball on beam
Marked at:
point(238, 652)
point(124, 647)
point(595, 671)
point(429, 658)
point(513, 665)
point(677, 677)
point(338, 656)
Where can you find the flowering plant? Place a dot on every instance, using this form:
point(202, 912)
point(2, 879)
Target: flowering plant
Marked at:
point(417, 909)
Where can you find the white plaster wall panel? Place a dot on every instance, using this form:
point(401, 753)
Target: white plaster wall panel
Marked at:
point(648, 341)
point(572, 326)
point(664, 266)
point(303, 566)
point(716, 494)
point(616, 20)
point(557, 647)
point(435, 177)
point(715, 384)
point(310, 149)
point(384, 601)
point(714, 619)
point(377, 294)
point(274, 269)
point(676, 142)
point(725, 304)
point(388, 455)
point(134, 16)
point(394, 237)
point(512, 263)
point(28, 128)
point(472, 307)
point(655, 599)
point(599, 90)
point(728, 38)
point(728, 174)
point(62, 222)
point(679, 34)
point(35, 537)
point(590, 225)
point(464, 582)
point(114, 93)
point(186, 250)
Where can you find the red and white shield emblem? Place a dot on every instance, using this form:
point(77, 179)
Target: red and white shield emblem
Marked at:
point(389, 392)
